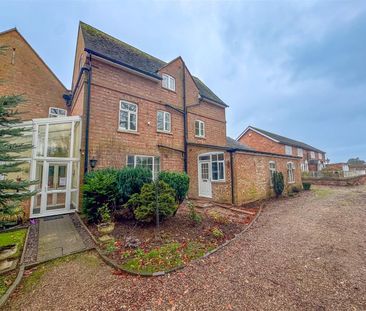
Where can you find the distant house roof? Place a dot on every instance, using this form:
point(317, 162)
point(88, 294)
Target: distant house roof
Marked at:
point(233, 144)
point(103, 45)
point(281, 139)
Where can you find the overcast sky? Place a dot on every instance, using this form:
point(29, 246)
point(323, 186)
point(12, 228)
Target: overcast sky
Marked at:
point(296, 68)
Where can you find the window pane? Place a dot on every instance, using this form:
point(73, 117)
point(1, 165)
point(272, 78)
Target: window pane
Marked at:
point(204, 158)
point(160, 120)
point(197, 128)
point(132, 122)
point(124, 105)
point(167, 121)
point(123, 119)
point(59, 138)
point(172, 84)
point(215, 174)
point(130, 161)
point(221, 170)
point(165, 81)
point(41, 140)
point(220, 156)
point(214, 157)
point(132, 107)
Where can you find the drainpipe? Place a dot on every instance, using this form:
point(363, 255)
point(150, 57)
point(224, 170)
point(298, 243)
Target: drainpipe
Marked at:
point(86, 158)
point(185, 119)
point(232, 176)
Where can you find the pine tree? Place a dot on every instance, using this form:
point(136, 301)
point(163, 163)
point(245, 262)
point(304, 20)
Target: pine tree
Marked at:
point(12, 192)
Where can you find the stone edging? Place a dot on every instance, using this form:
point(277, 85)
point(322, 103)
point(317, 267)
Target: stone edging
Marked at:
point(4, 298)
point(114, 265)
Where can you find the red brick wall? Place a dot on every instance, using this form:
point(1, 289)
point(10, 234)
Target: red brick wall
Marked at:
point(252, 176)
point(25, 73)
point(221, 190)
point(261, 143)
point(328, 181)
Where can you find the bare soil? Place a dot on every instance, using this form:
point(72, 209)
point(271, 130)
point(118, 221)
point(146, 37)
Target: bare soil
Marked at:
point(303, 253)
point(179, 228)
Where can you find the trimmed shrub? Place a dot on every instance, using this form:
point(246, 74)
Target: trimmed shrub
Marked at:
point(178, 181)
point(130, 180)
point(143, 204)
point(306, 185)
point(99, 189)
point(278, 183)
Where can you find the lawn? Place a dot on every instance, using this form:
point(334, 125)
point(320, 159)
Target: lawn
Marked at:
point(14, 237)
point(322, 192)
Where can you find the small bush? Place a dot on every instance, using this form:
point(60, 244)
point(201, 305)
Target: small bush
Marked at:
point(104, 214)
point(218, 218)
point(193, 215)
point(306, 185)
point(143, 204)
point(130, 180)
point(178, 181)
point(99, 189)
point(217, 233)
point(278, 183)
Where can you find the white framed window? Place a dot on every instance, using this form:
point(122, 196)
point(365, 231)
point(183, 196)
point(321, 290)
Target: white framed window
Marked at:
point(54, 112)
point(168, 82)
point(300, 152)
point(218, 166)
point(288, 150)
point(272, 170)
point(320, 156)
point(312, 154)
point(217, 162)
point(150, 162)
point(199, 128)
point(127, 116)
point(163, 121)
point(290, 172)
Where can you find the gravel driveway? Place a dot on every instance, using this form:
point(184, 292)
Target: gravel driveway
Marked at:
point(303, 253)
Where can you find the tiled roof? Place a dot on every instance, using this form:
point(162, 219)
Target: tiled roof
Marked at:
point(232, 143)
point(287, 141)
point(113, 49)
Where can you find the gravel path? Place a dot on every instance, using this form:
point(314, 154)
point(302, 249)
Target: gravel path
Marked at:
point(304, 253)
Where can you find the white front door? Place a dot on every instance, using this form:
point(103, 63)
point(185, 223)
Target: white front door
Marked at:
point(204, 180)
point(54, 188)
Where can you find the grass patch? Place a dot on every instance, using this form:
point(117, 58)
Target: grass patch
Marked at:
point(6, 281)
point(164, 258)
point(14, 237)
point(322, 192)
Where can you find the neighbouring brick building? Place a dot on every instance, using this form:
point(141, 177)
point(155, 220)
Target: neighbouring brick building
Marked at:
point(128, 108)
point(313, 159)
point(23, 72)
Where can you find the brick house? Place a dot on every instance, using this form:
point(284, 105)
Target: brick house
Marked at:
point(141, 111)
point(313, 159)
point(128, 108)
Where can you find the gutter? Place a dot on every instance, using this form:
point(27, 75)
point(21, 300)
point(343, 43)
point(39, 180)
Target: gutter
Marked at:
point(131, 68)
point(185, 135)
point(86, 158)
point(232, 177)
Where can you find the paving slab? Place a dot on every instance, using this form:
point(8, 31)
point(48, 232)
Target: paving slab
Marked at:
point(58, 237)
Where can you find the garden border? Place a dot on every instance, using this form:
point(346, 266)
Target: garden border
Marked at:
point(4, 298)
point(114, 265)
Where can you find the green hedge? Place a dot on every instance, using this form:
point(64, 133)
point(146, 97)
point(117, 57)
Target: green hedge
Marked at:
point(99, 189)
point(144, 204)
point(178, 181)
point(130, 180)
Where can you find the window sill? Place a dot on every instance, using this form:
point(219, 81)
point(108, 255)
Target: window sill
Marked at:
point(172, 91)
point(163, 132)
point(200, 137)
point(128, 132)
point(219, 181)
point(291, 182)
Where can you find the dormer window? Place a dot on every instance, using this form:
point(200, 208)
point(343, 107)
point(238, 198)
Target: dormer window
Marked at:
point(54, 112)
point(168, 82)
